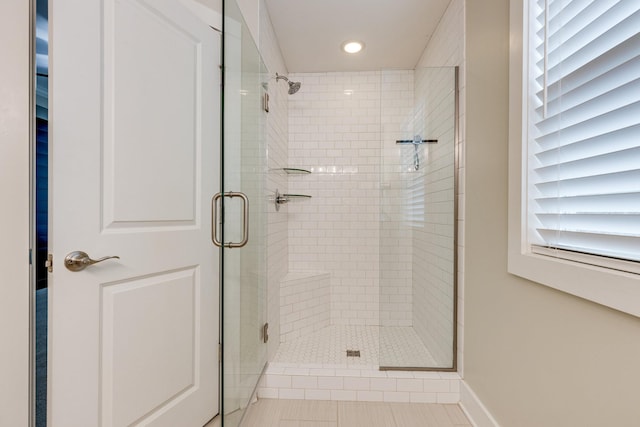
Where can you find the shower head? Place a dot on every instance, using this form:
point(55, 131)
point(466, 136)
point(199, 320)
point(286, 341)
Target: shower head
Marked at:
point(293, 86)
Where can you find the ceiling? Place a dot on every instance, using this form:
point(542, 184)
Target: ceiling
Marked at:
point(395, 32)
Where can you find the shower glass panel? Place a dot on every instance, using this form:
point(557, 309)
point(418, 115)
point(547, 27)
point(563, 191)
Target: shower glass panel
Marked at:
point(244, 170)
point(418, 220)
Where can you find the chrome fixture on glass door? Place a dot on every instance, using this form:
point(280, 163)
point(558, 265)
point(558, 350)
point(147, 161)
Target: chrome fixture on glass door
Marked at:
point(417, 140)
point(215, 222)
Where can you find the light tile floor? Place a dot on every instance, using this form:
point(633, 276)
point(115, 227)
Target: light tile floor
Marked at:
point(315, 413)
point(379, 346)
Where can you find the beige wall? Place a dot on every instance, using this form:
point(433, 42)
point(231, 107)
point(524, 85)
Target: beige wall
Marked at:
point(534, 356)
point(14, 212)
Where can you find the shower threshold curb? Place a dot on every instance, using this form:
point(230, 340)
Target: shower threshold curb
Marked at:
point(362, 383)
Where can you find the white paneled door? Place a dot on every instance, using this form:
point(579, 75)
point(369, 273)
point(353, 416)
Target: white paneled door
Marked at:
point(135, 131)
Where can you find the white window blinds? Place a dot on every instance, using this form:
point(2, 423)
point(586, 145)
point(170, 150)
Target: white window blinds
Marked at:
point(584, 128)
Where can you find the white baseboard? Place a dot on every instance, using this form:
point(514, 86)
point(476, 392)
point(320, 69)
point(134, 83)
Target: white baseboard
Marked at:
point(475, 410)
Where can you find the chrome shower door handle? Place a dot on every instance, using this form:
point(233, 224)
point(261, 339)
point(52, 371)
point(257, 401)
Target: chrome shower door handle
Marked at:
point(214, 220)
point(78, 260)
point(245, 220)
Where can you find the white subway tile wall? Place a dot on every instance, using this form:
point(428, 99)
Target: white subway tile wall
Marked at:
point(397, 161)
point(335, 131)
point(304, 304)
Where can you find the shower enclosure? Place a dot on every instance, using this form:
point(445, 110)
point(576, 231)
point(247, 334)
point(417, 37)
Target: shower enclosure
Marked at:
point(372, 255)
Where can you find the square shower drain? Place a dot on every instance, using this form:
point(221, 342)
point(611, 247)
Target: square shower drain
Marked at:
point(353, 353)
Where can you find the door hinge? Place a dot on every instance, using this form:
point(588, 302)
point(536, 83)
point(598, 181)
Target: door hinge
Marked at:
point(219, 352)
point(265, 333)
point(49, 263)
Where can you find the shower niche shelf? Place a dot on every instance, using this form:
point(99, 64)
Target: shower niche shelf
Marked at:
point(282, 199)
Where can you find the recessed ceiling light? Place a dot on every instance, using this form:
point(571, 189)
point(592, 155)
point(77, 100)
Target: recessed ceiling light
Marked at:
point(352, 46)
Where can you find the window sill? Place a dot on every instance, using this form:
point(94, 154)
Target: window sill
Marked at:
point(615, 289)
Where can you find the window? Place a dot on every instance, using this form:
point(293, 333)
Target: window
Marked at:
point(575, 198)
point(584, 133)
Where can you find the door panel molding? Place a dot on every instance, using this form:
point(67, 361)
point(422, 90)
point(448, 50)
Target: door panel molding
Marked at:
point(131, 361)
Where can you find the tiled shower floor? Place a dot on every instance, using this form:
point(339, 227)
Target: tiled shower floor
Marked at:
point(316, 367)
point(401, 347)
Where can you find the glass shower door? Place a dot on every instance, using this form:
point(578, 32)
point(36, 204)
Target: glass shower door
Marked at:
point(418, 247)
point(242, 219)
